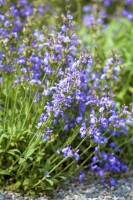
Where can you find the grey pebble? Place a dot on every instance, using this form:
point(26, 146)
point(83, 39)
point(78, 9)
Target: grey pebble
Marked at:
point(88, 190)
point(93, 191)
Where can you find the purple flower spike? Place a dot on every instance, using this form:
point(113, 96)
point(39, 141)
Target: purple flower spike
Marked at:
point(2, 2)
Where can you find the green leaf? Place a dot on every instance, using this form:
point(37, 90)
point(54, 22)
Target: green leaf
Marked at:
point(62, 177)
point(50, 181)
point(47, 165)
point(29, 153)
point(19, 125)
point(131, 89)
point(49, 188)
point(4, 136)
point(13, 152)
point(22, 160)
point(14, 186)
point(9, 129)
point(4, 172)
point(14, 128)
point(2, 151)
point(26, 182)
point(56, 180)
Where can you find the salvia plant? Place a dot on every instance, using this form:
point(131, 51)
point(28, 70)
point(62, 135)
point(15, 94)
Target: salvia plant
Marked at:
point(104, 31)
point(58, 115)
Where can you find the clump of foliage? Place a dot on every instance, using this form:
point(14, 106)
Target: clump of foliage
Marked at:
point(105, 32)
point(58, 115)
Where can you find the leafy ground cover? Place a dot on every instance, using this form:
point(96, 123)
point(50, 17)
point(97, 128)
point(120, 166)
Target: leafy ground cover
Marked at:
point(66, 92)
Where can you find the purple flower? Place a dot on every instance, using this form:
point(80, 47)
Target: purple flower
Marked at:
point(103, 77)
point(1, 79)
point(41, 10)
point(46, 137)
point(27, 10)
point(97, 148)
point(76, 155)
point(35, 81)
point(113, 118)
point(104, 156)
point(58, 47)
point(66, 127)
point(70, 17)
point(100, 139)
point(78, 119)
point(66, 39)
point(112, 159)
point(86, 8)
point(63, 28)
point(112, 145)
point(47, 174)
point(54, 122)
point(43, 117)
point(95, 158)
point(94, 167)
point(128, 1)
point(48, 130)
point(15, 35)
point(88, 19)
point(103, 182)
point(101, 173)
point(22, 60)
point(127, 14)
point(67, 152)
point(81, 176)
point(58, 151)
point(83, 130)
point(107, 2)
point(124, 167)
point(2, 17)
point(112, 182)
point(2, 2)
point(7, 23)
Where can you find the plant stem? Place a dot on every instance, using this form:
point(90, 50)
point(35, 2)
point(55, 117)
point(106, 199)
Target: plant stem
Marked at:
point(50, 171)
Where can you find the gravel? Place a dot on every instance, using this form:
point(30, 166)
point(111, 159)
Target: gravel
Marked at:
point(93, 191)
point(87, 190)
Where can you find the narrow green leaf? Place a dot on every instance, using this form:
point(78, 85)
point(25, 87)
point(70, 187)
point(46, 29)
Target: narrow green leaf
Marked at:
point(4, 172)
point(14, 152)
point(50, 181)
point(29, 153)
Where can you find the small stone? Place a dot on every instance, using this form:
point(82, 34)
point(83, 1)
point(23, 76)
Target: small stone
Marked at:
point(112, 188)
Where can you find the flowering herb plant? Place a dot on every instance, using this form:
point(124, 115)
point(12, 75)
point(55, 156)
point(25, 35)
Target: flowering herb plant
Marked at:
point(58, 115)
